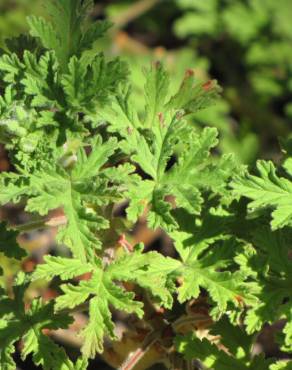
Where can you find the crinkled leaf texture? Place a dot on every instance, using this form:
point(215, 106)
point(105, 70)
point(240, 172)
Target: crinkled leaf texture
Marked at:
point(80, 192)
point(18, 322)
point(78, 144)
point(207, 257)
point(272, 268)
point(162, 135)
point(68, 32)
point(267, 190)
point(149, 270)
point(214, 358)
point(269, 262)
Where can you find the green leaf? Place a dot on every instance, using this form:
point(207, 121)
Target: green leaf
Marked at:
point(45, 352)
point(66, 268)
point(13, 187)
point(281, 365)
point(39, 27)
point(152, 149)
point(80, 193)
point(99, 322)
point(185, 180)
point(50, 189)
point(207, 267)
point(40, 79)
point(194, 236)
point(149, 270)
point(74, 295)
point(287, 330)
point(93, 32)
point(121, 114)
point(8, 243)
point(192, 97)
point(91, 81)
point(67, 32)
point(89, 166)
point(156, 89)
point(105, 293)
point(20, 43)
point(6, 360)
point(11, 66)
point(233, 338)
point(267, 190)
point(213, 358)
point(18, 322)
point(81, 364)
point(273, 273)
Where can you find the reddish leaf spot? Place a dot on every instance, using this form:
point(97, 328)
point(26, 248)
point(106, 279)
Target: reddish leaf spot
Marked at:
point(208, 85)
point(189, 73)
point(239, 300)
point(161, 118)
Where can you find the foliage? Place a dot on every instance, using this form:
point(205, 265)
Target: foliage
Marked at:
point(247, 24)
point(79, 144)
point(12, 18)
point(247, 45)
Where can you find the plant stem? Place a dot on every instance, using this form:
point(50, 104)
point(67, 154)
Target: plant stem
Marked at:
point(134, 357)
point(192, 319)
point(40, 224)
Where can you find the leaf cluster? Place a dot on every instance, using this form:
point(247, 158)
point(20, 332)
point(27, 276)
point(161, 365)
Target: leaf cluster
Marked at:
point(78, 144)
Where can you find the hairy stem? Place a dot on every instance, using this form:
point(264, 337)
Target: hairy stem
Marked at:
point(191, 320)
point(134, 357)
point(41, 224)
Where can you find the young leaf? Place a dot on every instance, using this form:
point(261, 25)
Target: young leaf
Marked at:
point(192, 97)
point(152, 148)
point(105, 293)
point(156, 89)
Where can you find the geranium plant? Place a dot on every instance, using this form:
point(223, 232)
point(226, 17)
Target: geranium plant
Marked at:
point(77, 144)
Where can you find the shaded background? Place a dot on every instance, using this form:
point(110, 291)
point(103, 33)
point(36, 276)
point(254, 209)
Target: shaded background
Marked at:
point(244, 44)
